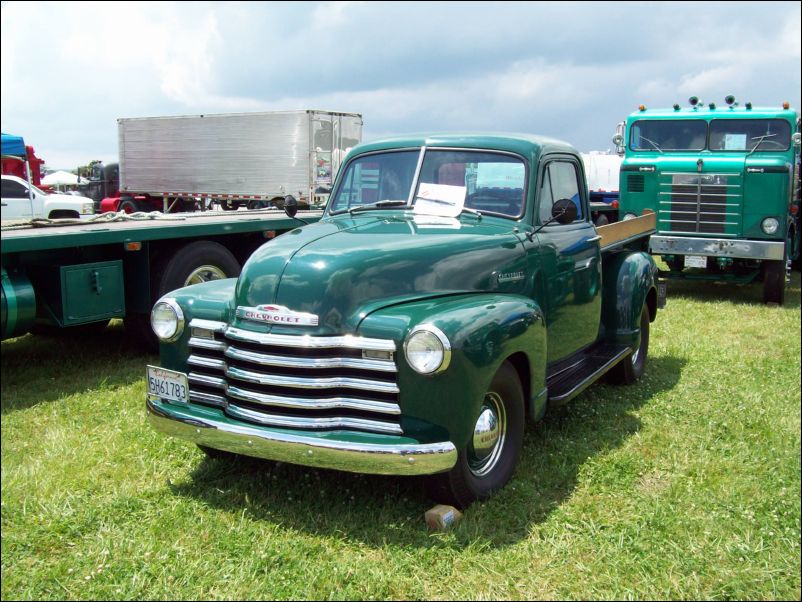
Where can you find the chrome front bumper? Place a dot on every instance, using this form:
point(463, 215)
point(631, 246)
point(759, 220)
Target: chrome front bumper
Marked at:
point(368, 458)
point(716, 247)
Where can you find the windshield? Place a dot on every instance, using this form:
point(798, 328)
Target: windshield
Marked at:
point(751, 135)
point(668, 135)
point(450, 181)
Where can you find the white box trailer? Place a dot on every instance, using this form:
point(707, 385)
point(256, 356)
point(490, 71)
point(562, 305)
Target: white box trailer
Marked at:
point(237, 158)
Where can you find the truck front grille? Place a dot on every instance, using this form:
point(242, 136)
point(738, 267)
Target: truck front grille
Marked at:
point(295, 381)
point(703, 203)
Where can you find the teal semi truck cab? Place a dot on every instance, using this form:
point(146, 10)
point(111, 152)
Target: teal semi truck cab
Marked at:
point(724, 182)
point(455, 287)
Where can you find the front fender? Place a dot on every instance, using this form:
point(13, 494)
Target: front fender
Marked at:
point(484, 330)
point(629, 278)
point(211, 300)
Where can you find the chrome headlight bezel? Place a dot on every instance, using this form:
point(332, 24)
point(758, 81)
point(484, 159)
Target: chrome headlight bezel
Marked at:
point(770, 225)
point(178, 319)
point(442, 344)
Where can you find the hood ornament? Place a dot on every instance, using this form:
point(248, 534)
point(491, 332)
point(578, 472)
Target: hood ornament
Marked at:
point(276, 314)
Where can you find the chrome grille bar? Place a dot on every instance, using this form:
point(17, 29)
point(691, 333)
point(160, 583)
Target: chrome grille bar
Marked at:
point(275, 380)
point(265, 359)
point(309, 342)
point(313, 423)
point(330, 403)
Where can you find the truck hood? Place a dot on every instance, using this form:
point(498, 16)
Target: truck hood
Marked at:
point(343, 268)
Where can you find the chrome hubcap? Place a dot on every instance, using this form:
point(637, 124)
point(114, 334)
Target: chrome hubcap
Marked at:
point(205, 273)
point(489, 434)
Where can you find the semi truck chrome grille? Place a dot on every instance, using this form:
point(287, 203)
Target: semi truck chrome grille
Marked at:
point(295, 381)
point(703, 203)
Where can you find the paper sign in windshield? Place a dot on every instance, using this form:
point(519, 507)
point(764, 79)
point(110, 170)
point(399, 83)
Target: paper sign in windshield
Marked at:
point(440, 199)
point(735, 142)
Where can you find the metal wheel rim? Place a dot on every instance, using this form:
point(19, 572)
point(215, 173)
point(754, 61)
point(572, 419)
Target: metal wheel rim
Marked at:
point(205, 273)
point(481, 467)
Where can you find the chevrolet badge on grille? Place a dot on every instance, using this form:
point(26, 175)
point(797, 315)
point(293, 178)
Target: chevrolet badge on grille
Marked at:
point(276, 314)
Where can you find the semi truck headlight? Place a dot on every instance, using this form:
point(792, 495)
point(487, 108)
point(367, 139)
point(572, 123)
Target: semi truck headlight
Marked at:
point(629, 216)
point(427, 349)
point(167, 320)
point(770, 225)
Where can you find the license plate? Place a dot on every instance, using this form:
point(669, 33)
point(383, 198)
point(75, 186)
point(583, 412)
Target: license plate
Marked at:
point(695, 261)
point(168, 384)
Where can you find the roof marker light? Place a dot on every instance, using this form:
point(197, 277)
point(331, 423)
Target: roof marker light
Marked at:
point(749, 106)
point(642, 107)
point(676, 107)
point(712, 106)
point(786, 105)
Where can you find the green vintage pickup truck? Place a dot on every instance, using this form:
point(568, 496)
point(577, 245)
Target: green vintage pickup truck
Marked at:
point(454, 289)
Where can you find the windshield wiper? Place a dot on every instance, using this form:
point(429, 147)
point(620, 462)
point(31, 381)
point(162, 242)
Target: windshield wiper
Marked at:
point(377, 205)
point(760, 140)
point(653, 143)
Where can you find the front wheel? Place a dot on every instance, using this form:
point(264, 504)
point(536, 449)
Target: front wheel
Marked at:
point(488, 461)
point(774, 282)
point(631, 368)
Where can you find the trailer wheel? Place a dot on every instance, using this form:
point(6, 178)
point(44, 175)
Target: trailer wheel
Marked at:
point(486, 464)
point(199, 261)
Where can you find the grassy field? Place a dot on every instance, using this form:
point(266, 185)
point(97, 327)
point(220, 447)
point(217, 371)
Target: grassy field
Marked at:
point(684, 486)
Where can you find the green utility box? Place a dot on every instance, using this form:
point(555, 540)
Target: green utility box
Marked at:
point(89, 292)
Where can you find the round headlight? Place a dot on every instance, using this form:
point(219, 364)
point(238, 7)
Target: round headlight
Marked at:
point(629, 216)
point(427, 349)
point(167, 320)
point(770, 225)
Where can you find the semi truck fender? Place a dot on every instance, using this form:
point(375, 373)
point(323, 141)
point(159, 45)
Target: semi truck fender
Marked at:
point(629, 282)
point(483, 331)
point(17, 304)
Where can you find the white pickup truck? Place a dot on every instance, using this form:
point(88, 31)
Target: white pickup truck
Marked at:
point(25, 201)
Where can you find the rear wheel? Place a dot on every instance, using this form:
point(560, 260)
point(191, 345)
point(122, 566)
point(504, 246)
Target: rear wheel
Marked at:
point(631, 368)
point(200, 261)
point(602, 220)
point(487, 463)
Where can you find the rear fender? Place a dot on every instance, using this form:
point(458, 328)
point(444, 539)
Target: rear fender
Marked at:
point(630, 280)
point(483, 330)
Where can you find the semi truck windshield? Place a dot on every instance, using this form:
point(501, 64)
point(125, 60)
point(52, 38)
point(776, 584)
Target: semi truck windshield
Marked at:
point(751, 135)
point(668, 135)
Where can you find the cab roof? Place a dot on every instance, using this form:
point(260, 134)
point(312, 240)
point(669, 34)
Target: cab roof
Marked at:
point(526, 145)
point(719, 112)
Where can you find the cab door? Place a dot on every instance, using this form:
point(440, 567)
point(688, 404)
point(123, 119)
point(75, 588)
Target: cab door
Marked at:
point(16, 203)
point(570, 259)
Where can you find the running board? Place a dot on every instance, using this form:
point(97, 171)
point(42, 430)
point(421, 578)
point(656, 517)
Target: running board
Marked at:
point(589, 367)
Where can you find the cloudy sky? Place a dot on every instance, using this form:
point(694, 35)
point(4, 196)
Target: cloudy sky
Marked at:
point(568, 70)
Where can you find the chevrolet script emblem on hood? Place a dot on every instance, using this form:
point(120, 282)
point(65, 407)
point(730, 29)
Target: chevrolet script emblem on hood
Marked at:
point(276, 314)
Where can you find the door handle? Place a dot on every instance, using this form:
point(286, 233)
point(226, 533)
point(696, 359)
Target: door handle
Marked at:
point(594, 239)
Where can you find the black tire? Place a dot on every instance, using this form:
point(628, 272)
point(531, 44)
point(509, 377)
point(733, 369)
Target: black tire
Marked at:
point(476, 478)
point(227, 206)
point(602, 220)
point(631, 368)
point(63, 214)
point(185, 266)
point(774, 282)
point(129, 206)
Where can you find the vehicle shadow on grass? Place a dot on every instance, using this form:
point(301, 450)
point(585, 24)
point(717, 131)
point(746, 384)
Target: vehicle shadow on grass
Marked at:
point(378, 511)
point(747, 294)
point(38, 369)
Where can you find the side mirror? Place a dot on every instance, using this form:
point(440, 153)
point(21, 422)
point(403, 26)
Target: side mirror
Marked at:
point(290, 205)
point(618, 139)
point(797, 139)
point(564, 211)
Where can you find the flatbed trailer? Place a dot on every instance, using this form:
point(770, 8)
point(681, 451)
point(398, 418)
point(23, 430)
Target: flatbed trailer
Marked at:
point(60, 274)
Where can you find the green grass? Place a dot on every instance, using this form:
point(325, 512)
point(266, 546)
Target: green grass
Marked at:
point(686, 485)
